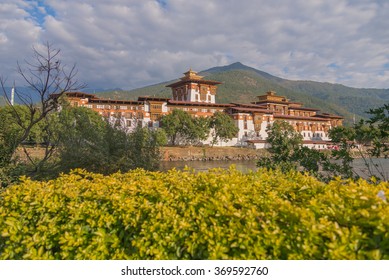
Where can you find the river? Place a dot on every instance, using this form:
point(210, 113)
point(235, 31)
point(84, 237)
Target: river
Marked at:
point(247, 165)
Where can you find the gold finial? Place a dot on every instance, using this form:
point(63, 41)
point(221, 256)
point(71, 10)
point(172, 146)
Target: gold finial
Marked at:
point(190, 74)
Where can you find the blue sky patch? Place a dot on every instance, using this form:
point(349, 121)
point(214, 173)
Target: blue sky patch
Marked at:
point(39, 10)
point(163, 3)
point(333, 66)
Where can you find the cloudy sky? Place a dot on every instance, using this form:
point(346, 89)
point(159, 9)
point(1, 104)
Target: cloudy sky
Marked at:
point(133, 43)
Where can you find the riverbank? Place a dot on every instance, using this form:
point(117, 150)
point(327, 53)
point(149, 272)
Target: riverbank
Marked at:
point(191, 153)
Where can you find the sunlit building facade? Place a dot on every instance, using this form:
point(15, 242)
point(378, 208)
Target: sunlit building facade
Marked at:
point(197, 96)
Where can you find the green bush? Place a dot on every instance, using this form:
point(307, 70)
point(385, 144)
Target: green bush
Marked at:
point(221, 214)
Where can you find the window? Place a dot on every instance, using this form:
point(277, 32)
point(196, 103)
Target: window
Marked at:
point(123, 107)
point(128, 123)
point(100, 106)
point(155, 116)
point(245, 122)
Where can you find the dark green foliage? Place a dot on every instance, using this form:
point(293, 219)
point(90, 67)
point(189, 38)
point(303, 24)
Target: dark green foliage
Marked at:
point(341, 164)
point(310, 160)
point(368, 139)
point(177, 125)
point(143, 151)
point(80, 138)
point(83, 140)
point(11, 132)
point(182, 128)
point(379, 130)
point(223, 127)
point(288, 153)
point(90, 142)
point(200, 129)
point(13, 121)
point(284, 141)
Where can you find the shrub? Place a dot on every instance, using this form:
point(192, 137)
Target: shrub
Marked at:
point(220, 214)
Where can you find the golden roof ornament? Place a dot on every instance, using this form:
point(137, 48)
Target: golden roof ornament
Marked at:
point(191, 75)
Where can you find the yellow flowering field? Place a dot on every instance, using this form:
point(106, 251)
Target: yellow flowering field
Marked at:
point(220, 214)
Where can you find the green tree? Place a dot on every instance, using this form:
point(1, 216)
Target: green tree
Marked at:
point(144, 149)
point(341, 157)
point(15, 157)
point(82, 143)
point(223, 128)
point(11, 132)
point(9, 135)
point(310, 160)
point(182, 128)
point(379, 130)
point(367, 139)
point(90, 142)
point(287, 151)
point(199, 130)
point(284, 142)
point(47, 79)
point(176, 124)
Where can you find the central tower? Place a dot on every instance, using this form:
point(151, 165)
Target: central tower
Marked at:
point(193, 88)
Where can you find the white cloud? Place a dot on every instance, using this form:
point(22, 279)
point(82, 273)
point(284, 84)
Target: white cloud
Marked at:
point(127, 44)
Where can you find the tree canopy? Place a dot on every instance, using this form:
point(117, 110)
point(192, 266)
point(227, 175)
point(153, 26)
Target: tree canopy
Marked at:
point(223, 126)
point(182, 128)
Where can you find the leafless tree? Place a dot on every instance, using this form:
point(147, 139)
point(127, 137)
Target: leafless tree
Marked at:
point(47, 79)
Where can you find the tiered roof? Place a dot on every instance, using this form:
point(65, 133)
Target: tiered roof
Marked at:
point(191, 76)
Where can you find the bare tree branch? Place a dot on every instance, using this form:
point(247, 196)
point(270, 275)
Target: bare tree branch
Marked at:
point(47, 80)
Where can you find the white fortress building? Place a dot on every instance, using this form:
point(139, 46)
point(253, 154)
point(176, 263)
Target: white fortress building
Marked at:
point(197, 96)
